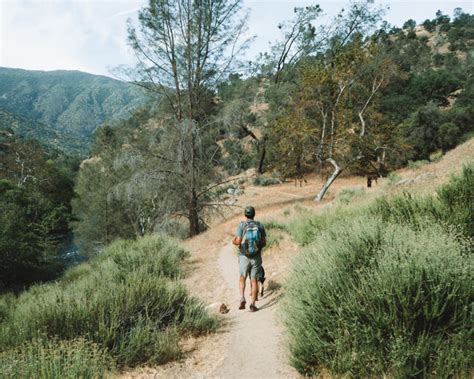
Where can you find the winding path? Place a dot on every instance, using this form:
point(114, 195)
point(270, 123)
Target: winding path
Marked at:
point(255, 345)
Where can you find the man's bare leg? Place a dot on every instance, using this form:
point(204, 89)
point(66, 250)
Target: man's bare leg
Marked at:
point(242, 291)
point(254, 284)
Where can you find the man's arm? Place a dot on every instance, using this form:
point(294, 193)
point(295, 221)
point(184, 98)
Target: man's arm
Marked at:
point(237, 240)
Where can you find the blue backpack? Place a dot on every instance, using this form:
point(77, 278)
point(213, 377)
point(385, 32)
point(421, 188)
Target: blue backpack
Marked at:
point(251, 238)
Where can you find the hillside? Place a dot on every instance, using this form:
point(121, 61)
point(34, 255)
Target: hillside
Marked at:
point(65, 106)
point(28, 129)
point(250, 344)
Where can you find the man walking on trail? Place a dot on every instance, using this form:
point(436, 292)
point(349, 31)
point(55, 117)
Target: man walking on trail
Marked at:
point(251, 239)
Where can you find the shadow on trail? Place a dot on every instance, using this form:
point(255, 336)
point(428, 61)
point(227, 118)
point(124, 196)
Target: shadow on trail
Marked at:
point(278, 296)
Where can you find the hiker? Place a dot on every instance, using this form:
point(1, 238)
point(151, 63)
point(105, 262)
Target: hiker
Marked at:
point(251, 239)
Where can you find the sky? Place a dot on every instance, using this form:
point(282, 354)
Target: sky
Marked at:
point(90, 35)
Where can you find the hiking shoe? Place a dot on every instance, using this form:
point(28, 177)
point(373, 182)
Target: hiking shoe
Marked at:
point(253, 308)
point(242, 304)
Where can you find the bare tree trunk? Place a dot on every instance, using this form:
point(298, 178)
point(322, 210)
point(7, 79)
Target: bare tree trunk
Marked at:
point(320, 153)
point(263, 152)
point(335, 174)
point(193, 216)
point(381, 170)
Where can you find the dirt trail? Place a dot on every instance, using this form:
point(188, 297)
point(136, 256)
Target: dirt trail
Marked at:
point(249, 344)
point(256, 345)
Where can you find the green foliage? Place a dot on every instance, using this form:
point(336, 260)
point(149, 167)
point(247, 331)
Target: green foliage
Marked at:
point(392, 178)
point(436, 156)
point(461, 32)
point(346, 195)
point(35, 195)
point(372, 298)
point(414, 165)
point(413, 97)
point(308, 226)
point(387, 290)
point(433, 85)
point(99, 217)
point(32, 130)
point(408, 210)
point(68, 105)
point(237, 159)
point(449, 135)
point(423, 130)
point(56, 359)
point(276, 225)
point(457, 201)
point(126, 301)
point(265, 180)
point(410, 24)
point(429, 25)
point(454, 206)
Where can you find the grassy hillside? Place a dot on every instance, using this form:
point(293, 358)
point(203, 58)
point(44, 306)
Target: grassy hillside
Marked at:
point(71, 104)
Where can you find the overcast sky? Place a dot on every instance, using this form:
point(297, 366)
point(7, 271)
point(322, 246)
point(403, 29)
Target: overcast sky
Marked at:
point(90, 35)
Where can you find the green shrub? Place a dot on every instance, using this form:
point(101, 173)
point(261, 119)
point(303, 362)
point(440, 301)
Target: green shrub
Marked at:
point(454, 206)
point(457, 201)
point(449, 135)
point(173, 228)
point(414, 165)
point(56, 359)
point(273, 224)
point(127, 300)
point(392, 178)
point(306, 228)
point(371, 298)
point(237, 158)
point(345, 196)
point(407, 209)
point(263, 180)
point(436, 156)
point(273, 240)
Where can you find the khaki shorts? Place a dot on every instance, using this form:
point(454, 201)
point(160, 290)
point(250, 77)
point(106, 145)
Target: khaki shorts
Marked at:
point(250, 266)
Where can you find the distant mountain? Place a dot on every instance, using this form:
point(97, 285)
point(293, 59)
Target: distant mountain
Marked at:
point(27, 129)
point(63, 108)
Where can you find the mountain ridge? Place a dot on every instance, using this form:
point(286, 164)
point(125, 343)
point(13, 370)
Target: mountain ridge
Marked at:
point(72, 103)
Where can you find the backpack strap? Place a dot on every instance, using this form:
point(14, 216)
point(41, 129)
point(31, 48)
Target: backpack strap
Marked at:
point(244, 230)
point(247, 224)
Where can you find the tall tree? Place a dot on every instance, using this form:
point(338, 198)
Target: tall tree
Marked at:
point(302, 41)
point(99, 216)
point(184, 48)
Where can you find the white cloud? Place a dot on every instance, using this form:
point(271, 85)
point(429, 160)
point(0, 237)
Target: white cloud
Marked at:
point(90, 35)
point(75, 35)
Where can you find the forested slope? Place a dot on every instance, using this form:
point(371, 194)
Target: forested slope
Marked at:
point(64, 105)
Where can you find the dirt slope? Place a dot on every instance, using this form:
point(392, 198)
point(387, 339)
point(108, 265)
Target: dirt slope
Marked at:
point(253, 344)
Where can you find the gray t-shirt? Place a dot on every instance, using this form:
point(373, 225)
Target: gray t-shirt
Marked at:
point(240, 231)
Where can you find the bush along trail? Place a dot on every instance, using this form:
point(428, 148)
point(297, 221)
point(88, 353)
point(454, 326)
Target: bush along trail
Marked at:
point(386, 289)
point(124, 308)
